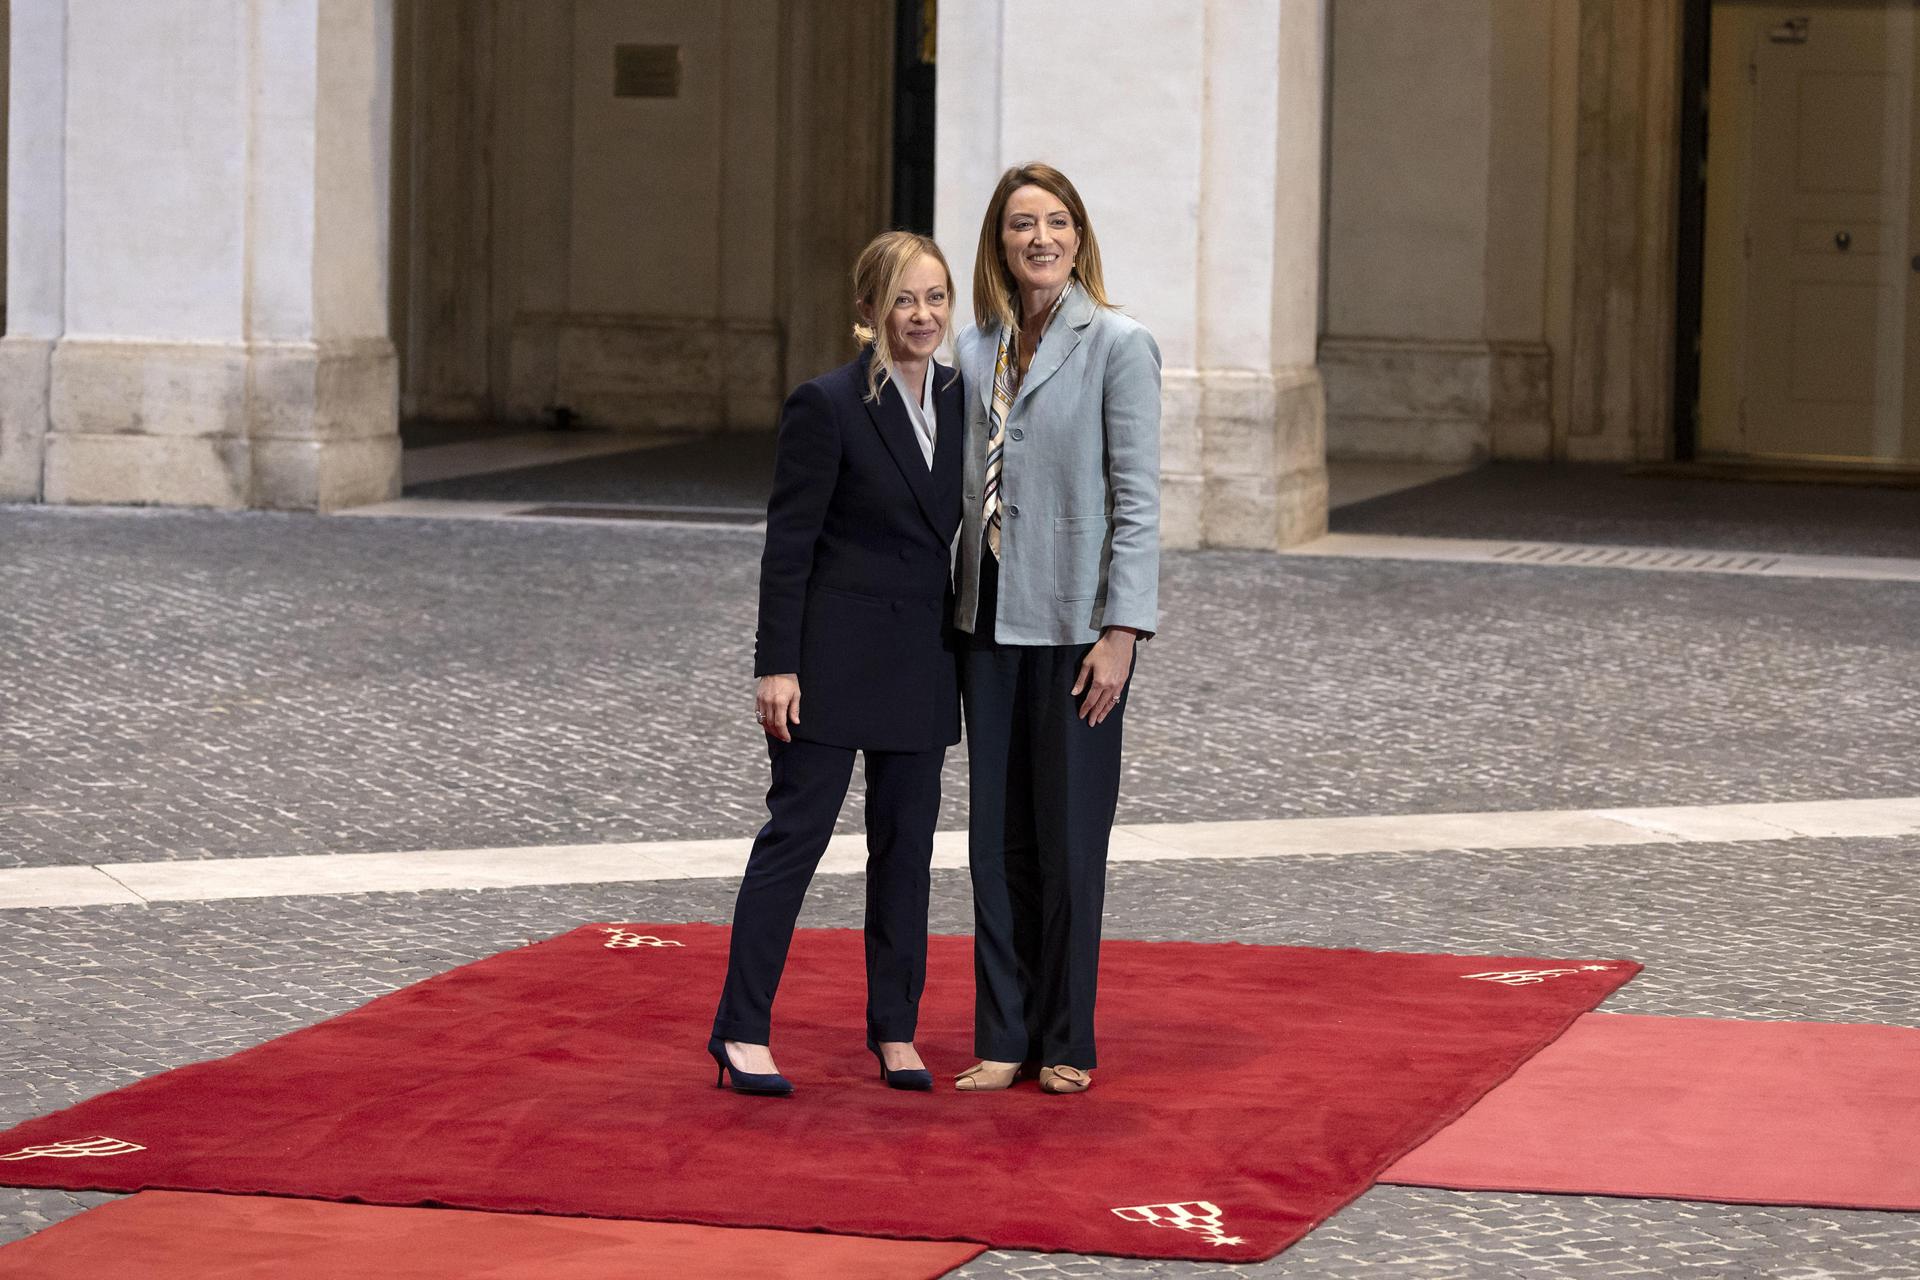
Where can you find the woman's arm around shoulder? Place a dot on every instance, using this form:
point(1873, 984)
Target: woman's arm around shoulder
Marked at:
point(806, 467)
point(1130, 408)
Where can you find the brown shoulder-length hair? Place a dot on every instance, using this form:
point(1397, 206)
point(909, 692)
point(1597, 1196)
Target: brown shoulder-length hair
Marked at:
point(995, 293)
point(877, 273)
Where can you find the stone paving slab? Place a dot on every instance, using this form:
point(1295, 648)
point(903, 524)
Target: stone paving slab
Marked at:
point(94, 997)
point(188, 685)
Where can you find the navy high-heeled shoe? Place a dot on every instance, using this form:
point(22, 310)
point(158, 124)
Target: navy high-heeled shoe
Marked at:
point(915, 1079)
point(770, 1085)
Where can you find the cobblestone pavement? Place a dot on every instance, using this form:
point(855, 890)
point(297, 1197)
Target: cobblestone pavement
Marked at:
point(1591, 502)
point(194, 685)
point(181, 685)
point(96, 997)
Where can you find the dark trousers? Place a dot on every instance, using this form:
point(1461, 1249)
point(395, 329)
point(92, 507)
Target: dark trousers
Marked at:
point(1043, 790)
point(809, 785)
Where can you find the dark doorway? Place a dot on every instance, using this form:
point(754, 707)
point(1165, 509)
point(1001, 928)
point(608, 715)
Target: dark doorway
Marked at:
point(1691, 227)
point(913, 70)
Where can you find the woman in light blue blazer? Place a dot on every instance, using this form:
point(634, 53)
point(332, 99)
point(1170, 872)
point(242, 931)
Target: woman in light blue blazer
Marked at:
point(1059, 565)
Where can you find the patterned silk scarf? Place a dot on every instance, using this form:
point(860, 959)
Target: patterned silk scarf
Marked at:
point(1006, 385)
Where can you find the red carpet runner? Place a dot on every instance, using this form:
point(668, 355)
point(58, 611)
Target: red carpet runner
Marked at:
point(1246, 1093)
point(172, 1235)
point(1802, 1113)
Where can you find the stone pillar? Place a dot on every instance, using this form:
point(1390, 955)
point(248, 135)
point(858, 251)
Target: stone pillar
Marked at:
point(836, 174)
point(36, 203)
point(443, 220)
point(1625, 231)
point(209, 198)
point(1194, 132)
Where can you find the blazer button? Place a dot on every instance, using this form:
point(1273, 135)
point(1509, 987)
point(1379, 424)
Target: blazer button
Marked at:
point(1017, 434)
point(896, 606)
point(1012, 510)
point(905, 554)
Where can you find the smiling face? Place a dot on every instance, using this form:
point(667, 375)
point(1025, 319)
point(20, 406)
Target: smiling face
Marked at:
point(917, 318)
point(1038, 240)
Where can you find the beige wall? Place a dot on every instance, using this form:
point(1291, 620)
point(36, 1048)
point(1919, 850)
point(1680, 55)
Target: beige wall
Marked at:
point(674, 200)
point(651, 263)
point(1500, 228)
point(1441, 142)
point(1407, 208)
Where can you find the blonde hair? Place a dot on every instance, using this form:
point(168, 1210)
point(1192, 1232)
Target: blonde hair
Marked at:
point(876, 276)
point(994, 289)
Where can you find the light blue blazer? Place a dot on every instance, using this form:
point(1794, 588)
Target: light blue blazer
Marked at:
point(1080, 481)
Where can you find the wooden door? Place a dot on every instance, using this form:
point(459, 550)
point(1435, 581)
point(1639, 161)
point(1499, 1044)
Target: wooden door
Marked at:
point(1825, 332)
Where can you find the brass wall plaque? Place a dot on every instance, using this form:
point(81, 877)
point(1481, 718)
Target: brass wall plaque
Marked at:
point(646, 71)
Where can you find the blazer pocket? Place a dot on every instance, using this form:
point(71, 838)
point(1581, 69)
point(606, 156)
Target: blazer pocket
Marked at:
point(860, 597)
point(1079, 547)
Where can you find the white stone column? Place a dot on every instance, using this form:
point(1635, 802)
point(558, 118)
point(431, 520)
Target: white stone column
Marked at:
point(215, 212)
point(1194, 132)
point(36, 264)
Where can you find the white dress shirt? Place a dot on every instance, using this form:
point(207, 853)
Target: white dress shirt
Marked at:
point(920, 409)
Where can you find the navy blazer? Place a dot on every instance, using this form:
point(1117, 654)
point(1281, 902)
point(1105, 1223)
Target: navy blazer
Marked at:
point(856, 583)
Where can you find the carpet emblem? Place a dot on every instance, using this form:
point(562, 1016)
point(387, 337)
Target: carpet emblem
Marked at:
point(1202, 1217)
point(623, 938)
point(76, 1149)
point(1531, 977)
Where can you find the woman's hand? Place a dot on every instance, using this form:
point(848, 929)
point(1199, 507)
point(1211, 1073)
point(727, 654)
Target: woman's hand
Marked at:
point(776, 703)
point(1104, 672)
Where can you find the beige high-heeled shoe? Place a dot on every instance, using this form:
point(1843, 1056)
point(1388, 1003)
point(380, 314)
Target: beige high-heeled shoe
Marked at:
point(988, 1077)
point(1064, 1079)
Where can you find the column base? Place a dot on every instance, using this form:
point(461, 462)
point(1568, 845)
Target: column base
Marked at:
point(1243, 457)
point(25, 382)
point(287, 426)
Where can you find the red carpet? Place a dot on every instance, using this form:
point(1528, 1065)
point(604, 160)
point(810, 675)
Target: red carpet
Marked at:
point(172, 1235)
point(1247, 1093)
point(1801, 1113)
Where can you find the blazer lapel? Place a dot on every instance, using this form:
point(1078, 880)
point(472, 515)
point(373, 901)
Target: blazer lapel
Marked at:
point(1062, 336)
point(891, 420)
point(949, 442)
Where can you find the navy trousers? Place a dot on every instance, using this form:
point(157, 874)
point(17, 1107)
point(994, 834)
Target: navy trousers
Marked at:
point(809, 785)
point(1044, 786)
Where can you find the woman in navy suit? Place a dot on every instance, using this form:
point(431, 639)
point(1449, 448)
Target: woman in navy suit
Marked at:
point(855, 593)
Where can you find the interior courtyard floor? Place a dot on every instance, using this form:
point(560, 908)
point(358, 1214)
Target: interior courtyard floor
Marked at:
point(204, 688)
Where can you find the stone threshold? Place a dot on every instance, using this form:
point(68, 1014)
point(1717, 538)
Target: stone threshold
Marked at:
point(202, 880)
